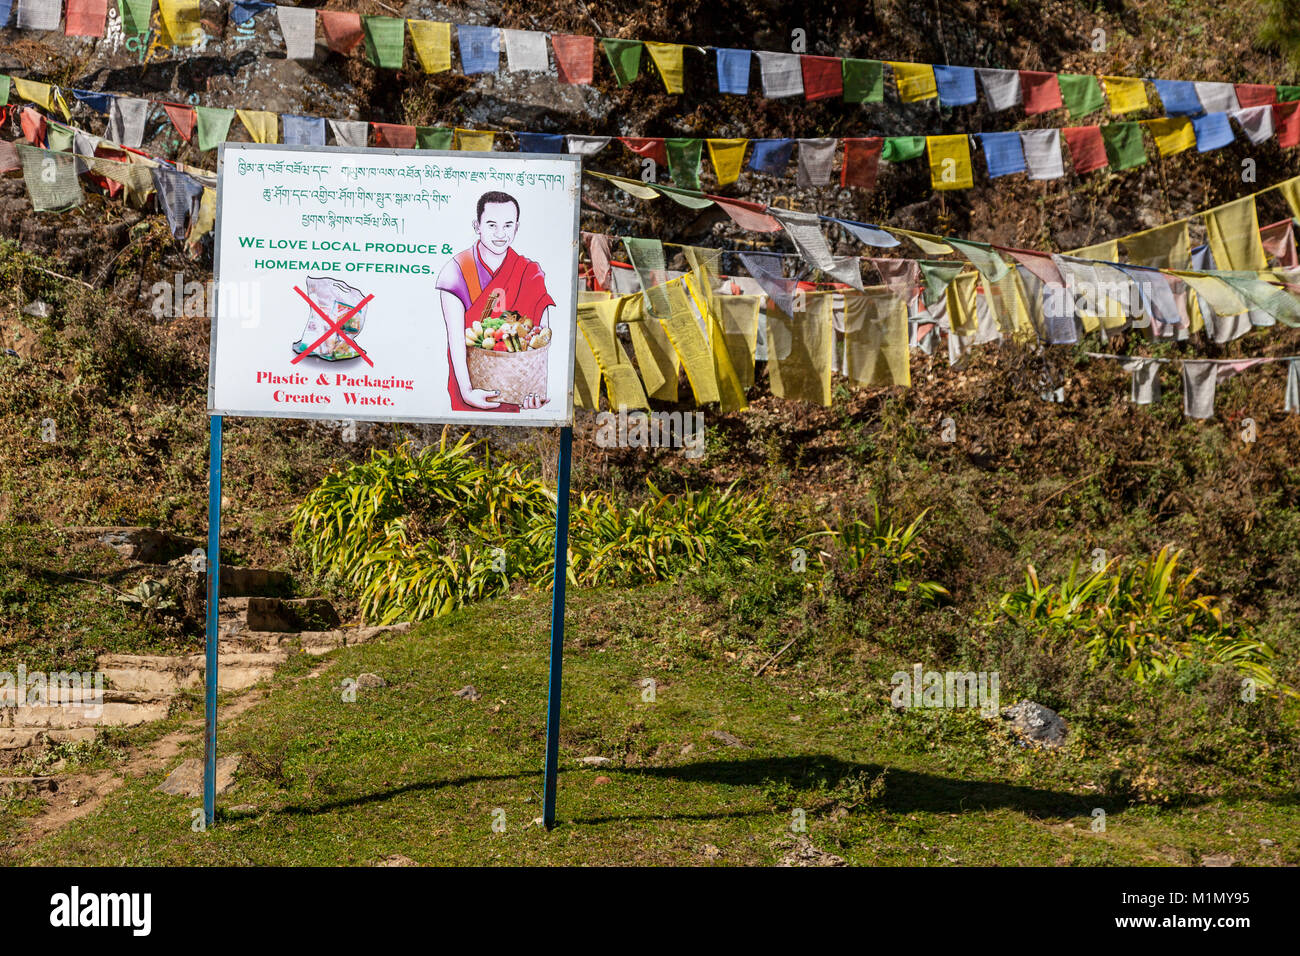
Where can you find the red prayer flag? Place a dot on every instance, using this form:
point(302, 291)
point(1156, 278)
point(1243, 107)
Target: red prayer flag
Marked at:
point(342, 30)
point(1041, 91)
point(33, 124)
point(649, 147)
point(1087, 148)
point(1256, 94)
point(1278, 240)
point(750, 216)
point(394, 136)
point(9, 157)
point(183, 118)
point(861, 161)
point(574, 56)
point(86, 18)
point(1286, 123)
point(823, 77)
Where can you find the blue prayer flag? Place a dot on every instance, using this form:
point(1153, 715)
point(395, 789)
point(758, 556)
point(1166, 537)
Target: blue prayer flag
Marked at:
point(99, 102)
point(956, 85)
point(733, 71)
point(1178, 97)
point(303, 130)
point(241, 11)
point(541, 142)
point(1003, 152)
point(771, 155)
point(1213, 131)
point(480, 48)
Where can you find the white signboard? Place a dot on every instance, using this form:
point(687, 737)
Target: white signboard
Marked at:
point(395, 285)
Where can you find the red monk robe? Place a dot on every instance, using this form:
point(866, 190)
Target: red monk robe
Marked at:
point(524, 286)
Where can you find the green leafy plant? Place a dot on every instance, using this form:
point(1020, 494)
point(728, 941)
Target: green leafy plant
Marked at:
point(1144, 617)
point(882, 547)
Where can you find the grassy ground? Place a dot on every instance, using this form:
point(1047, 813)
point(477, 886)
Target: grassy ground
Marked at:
point(411, 769)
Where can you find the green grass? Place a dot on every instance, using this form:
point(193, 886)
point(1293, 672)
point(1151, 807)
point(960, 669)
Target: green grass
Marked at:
point(410, 769)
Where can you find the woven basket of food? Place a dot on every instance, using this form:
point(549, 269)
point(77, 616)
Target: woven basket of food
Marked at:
point(508, 354)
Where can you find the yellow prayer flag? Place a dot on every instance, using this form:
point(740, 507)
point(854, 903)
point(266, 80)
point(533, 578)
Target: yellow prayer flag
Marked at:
point(963, 317)
point(800, 350)
point(1165, 247)
point(739, 318)
point(181, 22)
point(264, 127)
point(1290, 189)
point(42, 94)
point(586, 375)
point(1216, 293)
point(668, 58)
point(1107, 251)
point(950, 166)
point(915, 81)
point(205, 219)
point(684, 332)
point(1007, 301)
point(596, 321)
point(727, 156)
point(475, 141)
point(1173, 134)
point(731, 397)
point(1233, 234)
point(875, 337)
point(655, 358)
point(432, 42)
point(1125, 93)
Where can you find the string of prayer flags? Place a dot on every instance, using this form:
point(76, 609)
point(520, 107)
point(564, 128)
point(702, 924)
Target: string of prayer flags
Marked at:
point(394, 135)
point(733, 70)
point(781, 73)
point(298, 24)
point(1087, 148)
point(303, 130)
point(915, 81)
point(684, 161)
point(1173, 134)
point(624, 58)
point(432, 44)
point(386, 41)
point(525, 51)
point(955, 85)
point(863, 81)
point(574, 58)
point(800, 351)
point(1081, 94)
point(1004, 153)
point(343, 31)
point(1123, 142)
point(816, 159)
point(823, 77)
point(875, 338)
point(180, 20)
point(727, 157)
point(480, 49)
point(861, 162)
point(950, 166)
point(85, 18)
point(1126, 94)
point(1041, 92)
point(1213, 131)
point(667, 59)
point(51, 179)
point(262, 126)
point(39, 14)
point(182, 119)
point(213, 125)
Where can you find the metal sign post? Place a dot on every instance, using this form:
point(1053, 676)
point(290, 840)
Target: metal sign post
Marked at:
point(557, 627)
point(214, 581)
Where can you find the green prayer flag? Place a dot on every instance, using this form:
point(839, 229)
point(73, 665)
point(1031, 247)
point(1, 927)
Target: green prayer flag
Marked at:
point(434, 137)
point(1271, 299)
point(1285, 94)
point(683, 197)
point(624, 58)
point(51, 179)
point(647, 258)
point(1124, 146)
point(59, 137)
point(135, 16)
point(4, 89)
point(1082, 94)
point(864, 81)
point(937, 276)
point(212, 123)
point(898, 149)
point(684, 161)
point(385, 41)
point(981, 255)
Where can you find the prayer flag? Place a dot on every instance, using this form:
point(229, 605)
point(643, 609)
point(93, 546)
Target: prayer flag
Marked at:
point(823, 77)
point(733, 70)
point(950, 166)
point(574, 58)
point(432, 44)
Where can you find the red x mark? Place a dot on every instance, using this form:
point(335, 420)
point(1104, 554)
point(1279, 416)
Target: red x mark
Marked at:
point(332, 326)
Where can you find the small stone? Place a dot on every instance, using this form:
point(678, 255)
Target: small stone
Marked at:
point(594, 761)
point(187, 779)
point(1037, 724)
point(602, 779)
point(468, 692)
point(1217, 859)
point(803, 853)
point(687, 749)
point(1267, 842)
point(371, 680)
point(725, 738)
point(396, 859)
point(711, 852)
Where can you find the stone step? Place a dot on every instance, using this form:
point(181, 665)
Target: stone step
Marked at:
point(322, 642)
point(141, 545)
point(80, 695)
point(115, 714)
point(24, 738)
point(276, 614)
point(235, 671)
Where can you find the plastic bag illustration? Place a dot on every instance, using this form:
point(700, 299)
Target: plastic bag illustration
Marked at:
point(334, 298)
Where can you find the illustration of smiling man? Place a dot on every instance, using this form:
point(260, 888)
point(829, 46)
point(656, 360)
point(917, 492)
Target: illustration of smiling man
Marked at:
point(489, 276)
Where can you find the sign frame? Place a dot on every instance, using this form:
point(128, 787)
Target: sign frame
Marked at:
point(466, 418)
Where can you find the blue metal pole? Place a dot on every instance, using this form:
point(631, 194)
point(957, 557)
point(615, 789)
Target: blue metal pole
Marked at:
point(557, 627)
point(214, 580)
